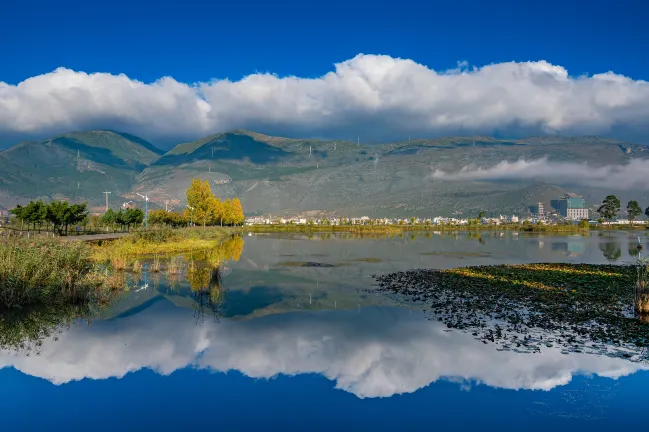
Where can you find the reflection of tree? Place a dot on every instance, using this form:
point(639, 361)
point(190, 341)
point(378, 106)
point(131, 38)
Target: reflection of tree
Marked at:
point(207, 290)
point(229, 250)
point(25, 330)
point(611, 250)
point(633, 250)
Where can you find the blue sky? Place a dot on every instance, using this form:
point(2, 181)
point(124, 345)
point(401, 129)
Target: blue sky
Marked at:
point(200, 41)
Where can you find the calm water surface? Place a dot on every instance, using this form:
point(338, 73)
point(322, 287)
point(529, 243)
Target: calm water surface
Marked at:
point(297, 340)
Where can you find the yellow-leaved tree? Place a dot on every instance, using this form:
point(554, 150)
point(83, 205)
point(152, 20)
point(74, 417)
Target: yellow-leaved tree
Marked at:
point(217, 210)
point(237, 212)
point(207, 209)
point(227, 212)
point(200, 200)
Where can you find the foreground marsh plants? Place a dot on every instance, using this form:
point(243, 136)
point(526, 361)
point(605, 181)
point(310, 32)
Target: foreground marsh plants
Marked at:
point(48, 271)
point(581, 308)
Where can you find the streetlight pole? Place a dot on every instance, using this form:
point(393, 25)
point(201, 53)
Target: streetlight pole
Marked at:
point(146, 211)
point(191, 215)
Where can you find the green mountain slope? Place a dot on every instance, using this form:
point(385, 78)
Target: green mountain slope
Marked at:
point(279, 176)
point(77, 166)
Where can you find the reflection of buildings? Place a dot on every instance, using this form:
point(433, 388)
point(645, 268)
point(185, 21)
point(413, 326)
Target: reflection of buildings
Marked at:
point(571, 206)
point(569, 248)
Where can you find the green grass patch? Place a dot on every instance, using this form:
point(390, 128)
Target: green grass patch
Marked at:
point(575, 306)
point(48, 271)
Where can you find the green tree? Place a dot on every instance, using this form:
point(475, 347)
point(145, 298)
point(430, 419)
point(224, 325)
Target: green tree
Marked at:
point(646, 212)
point(609, 208)
point(57, 214)
point(20, 214)
point(481, 215)
point(120, 219)
point(633, 210)
point(35, 214)
point(75, 215)
point(109, 217)
point(133, 216)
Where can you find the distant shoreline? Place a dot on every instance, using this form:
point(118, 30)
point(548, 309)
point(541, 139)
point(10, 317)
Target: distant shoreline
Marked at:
point(387, 229)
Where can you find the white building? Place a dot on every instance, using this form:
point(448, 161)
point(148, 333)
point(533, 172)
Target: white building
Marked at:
point(576, 213)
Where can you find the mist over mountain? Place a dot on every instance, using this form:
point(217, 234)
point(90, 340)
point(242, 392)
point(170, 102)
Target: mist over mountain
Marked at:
point(277, 175)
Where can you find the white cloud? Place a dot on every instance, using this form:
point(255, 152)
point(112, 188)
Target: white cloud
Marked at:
point(375, 353)
point(632, 175)
point(377, 97)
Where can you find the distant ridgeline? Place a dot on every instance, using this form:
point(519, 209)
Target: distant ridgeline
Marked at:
point(279, 176)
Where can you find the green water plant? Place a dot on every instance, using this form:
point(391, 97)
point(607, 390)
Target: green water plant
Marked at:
point(579, 307)
point(45, 271)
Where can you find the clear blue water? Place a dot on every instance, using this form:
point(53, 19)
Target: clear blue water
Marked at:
point(313, 348)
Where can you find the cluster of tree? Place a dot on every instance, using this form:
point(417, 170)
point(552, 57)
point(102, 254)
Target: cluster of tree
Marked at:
point(611, 206)
point(124, 218)
point(163, 217)
point(206, 209)
point(59, 215)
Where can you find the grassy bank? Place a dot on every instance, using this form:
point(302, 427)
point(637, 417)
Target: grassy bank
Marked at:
point(48, 271)
point(575, 306)
point(160, 242)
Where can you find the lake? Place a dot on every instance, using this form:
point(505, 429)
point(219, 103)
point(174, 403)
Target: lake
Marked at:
point(297, 339)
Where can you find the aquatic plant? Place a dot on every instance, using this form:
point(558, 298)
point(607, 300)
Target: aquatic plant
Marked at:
point(119, 261)
point(641, 302)
point(304, 264)
point(368, 260)
point(47, 270)
point(160, 241)
point(174, 266)
point(525, 307)
point(155, 264)
point(137, 266)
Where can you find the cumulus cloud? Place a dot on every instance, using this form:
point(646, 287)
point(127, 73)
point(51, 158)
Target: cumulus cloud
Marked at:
point(376, 97)
point(376, 352)
point(632, 175)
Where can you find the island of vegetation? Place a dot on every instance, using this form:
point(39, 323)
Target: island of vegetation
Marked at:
point(578, 307)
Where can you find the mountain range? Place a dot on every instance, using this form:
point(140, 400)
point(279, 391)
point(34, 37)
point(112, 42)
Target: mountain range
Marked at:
point(279, 176)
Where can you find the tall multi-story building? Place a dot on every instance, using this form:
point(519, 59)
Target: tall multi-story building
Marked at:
point(572, 206)
point(540, 210)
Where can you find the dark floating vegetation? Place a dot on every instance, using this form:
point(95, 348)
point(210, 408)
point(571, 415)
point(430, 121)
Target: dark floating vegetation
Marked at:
point(525, 308)
point(368, 260)
point(458, 254)
point(304, 264)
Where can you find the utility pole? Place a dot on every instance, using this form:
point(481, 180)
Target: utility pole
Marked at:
point(167, 205)
point(146, 207)
point(106, 193)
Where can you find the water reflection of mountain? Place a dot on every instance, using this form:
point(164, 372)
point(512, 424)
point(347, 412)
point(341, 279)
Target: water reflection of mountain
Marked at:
point(371, 352)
